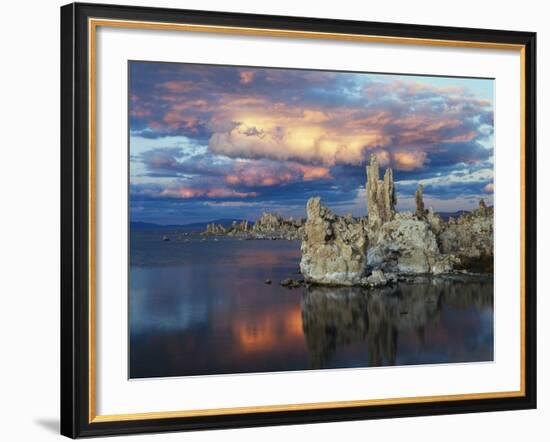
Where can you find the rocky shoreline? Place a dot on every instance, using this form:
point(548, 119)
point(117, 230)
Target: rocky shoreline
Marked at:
point(392, 280)
point(269, 227)
point(387, 245)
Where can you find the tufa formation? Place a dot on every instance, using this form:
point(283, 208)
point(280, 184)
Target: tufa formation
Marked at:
point(386, 245)
point(269, 226)
point(380, 195)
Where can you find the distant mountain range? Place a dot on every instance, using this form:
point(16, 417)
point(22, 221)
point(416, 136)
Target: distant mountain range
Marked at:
point(226, 222)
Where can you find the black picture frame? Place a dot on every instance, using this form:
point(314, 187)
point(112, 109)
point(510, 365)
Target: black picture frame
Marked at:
point(75, 220)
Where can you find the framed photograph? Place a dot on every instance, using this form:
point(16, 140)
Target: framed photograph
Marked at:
point(275, 220)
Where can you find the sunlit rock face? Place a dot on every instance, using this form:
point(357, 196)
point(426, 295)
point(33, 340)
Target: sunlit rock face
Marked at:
point(268, 226)
point(404, 243)
point(470, 237)
point(268, 222)
point(272, 224)
point(334, 247)
point(434, 220)
point(405, 246)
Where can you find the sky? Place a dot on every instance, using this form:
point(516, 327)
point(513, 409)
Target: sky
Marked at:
point(210, 142)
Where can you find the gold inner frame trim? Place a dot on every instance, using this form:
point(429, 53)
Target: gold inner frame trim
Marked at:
point(93, 24)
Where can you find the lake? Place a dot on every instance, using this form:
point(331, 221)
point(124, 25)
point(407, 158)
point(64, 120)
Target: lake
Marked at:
point(203, 307)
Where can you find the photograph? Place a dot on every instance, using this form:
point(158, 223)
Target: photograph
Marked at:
point(285, 219)
point(274, 221)
point(279, 220)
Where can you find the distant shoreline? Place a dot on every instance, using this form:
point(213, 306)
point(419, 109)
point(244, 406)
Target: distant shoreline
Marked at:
point(200, 226)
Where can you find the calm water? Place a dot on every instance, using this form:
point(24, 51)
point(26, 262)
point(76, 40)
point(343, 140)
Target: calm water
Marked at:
point(201, 308)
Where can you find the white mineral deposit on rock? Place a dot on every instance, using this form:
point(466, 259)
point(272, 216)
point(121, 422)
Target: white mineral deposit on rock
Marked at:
point(334, 247)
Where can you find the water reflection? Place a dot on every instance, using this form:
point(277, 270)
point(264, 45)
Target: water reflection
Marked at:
point(337, 317)
point(198, 308)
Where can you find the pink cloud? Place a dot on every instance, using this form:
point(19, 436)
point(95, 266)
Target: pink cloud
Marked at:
point(253, 126)
point(175, 120)
point(140, 112)
point(409, 160)
point(179, 86)
point(461, 138)
point(253, 173)
point(257, 128)
point(383, 157)
point(217, 192)
point(247, 77)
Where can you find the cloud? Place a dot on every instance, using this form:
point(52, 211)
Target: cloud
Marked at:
point(175, 162)
point(190, 192)
point(204, 176)
point(257, 173)
point(321, 117)
point(289, 133)
point(139, 112)
point(178, 86)
point(246, 77)
point(162, 158)
point(278, 136)
point(410, 160)
point(460, 176)
point(260, 128)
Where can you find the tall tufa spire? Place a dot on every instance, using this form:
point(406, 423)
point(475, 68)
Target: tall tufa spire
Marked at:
point(381, 198)
point(419, 197)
